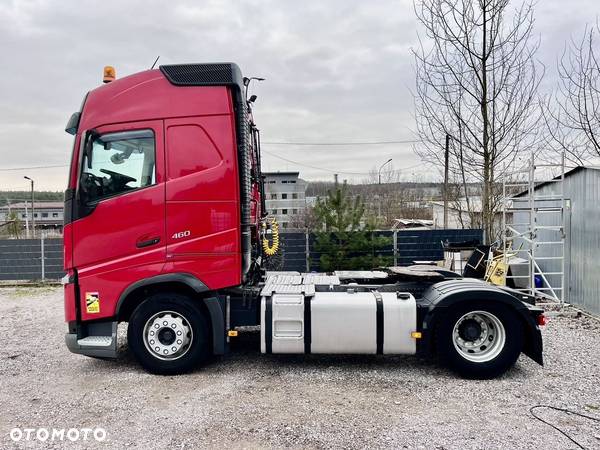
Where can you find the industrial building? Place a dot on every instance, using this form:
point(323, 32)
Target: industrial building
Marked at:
point(285, 197)
point(46, 215)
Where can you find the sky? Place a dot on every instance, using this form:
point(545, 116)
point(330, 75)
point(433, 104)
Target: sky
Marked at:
point(336, 71)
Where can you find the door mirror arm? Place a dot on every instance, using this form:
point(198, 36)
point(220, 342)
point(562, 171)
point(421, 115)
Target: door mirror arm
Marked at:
point(82, 205)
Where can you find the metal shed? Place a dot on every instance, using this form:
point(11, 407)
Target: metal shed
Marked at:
point(581, 191)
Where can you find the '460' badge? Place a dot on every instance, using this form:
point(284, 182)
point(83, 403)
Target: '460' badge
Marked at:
point(181, 234)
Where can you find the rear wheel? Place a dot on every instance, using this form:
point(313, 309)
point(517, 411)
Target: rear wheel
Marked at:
point(479, 340)
point(168, 334)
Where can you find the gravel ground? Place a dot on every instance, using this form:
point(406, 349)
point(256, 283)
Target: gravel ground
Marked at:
point(248, 400)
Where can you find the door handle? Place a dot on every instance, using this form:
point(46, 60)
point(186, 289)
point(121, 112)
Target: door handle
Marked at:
point(148, 242)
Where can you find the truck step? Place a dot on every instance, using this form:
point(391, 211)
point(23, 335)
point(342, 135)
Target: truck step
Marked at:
point(95, 341)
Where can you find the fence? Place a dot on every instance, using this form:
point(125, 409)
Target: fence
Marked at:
point(406, 247)
point(31, 259)
point(42, 259)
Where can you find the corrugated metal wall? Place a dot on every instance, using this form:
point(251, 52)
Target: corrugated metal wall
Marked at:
point(584, 273)
point(582, 229)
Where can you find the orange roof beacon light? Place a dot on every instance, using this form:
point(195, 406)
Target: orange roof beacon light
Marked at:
point(109, 74)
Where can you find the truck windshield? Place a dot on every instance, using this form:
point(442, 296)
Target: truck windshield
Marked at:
point(116, 163)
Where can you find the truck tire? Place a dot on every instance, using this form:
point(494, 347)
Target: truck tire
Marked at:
point(168, 334)
point(479, 340)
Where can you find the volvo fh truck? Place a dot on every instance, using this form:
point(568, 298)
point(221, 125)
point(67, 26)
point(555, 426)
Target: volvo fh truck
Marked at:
point(164, 221)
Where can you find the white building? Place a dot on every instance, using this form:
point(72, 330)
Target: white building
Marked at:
point(458, 214)
point(47, 215)
point(285, 197)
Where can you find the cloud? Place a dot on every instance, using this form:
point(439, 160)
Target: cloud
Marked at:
point(336, 70)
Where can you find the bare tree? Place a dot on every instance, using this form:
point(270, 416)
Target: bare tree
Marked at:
point(477, 81)
point(306, 219)
point(391, 199)
point(12, 227)
point(387, 176)
point(572, 113)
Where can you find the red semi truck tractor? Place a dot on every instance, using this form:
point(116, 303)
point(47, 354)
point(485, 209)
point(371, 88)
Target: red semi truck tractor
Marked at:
point(164, 215)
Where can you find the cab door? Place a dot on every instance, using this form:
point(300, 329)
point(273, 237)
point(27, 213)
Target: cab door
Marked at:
point(202, 199)
point(119, 234)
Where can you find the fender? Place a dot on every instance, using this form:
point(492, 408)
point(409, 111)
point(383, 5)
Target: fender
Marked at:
point(445, 294)
point(212, 303)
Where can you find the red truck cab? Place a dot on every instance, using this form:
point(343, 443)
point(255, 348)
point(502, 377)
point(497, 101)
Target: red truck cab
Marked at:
point(164, 191)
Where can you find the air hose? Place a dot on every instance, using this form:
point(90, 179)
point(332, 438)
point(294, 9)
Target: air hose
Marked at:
point(270, 250)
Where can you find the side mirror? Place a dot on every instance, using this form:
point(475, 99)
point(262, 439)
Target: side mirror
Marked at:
point(117, 158)
point(73, 123)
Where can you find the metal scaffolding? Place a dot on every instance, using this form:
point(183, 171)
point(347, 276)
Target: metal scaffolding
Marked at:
point(534, 232)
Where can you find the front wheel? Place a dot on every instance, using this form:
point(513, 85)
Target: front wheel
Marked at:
point(480, 340)
point(168, 334)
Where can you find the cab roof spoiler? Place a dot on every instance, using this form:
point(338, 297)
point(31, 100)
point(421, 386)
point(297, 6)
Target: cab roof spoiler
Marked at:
point(208, 74)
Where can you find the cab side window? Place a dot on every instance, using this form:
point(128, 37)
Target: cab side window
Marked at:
point(116, 163)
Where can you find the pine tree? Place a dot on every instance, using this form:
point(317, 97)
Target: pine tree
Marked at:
point(345, 241)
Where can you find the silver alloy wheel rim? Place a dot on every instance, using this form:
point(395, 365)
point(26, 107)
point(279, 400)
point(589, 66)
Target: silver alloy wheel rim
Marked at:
point(167, 335)
point(487, 345)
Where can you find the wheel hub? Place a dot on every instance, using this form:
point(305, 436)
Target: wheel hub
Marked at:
point(469, 330)
point(167, 335)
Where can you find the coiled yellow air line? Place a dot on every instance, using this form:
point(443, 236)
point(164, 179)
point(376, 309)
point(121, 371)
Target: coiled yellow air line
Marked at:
point(270, 250)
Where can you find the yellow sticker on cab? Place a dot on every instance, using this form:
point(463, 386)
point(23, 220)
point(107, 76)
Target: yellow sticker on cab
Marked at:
point(92, 302)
